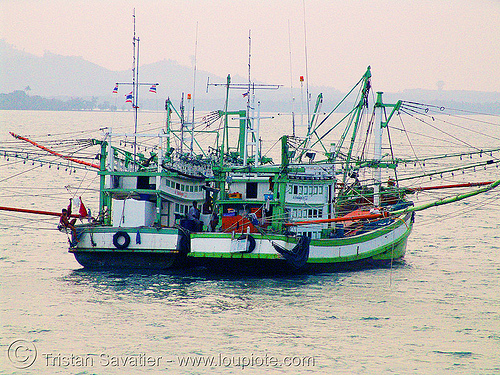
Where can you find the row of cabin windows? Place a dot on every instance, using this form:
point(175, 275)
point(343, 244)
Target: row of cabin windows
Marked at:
point(305, 190)
point(182, 187)
point(181, 209)
point(310, 213)
point(311, 235)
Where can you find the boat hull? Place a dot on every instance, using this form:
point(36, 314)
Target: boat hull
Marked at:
point(121, 260)
point(135, 247)
point(378, 247)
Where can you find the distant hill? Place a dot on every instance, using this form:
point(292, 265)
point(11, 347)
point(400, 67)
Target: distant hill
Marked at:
point(67, 78)
point(20, 100)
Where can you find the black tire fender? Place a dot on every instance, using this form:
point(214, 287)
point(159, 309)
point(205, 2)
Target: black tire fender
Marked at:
point(117, 242)
point(251, 241)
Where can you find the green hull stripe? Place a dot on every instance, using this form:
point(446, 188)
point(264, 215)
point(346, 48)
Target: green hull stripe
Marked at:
point(392, 250)
point(323, 242)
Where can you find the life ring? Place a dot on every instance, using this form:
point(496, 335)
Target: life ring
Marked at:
point(251, 242)
point(121, 244)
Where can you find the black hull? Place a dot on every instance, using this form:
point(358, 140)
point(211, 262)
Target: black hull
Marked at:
point(282, 267)
point(123, 260)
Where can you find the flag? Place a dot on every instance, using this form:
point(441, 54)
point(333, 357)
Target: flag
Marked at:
point(82, 211)
point(153, 89)
point(78, 206)
point(115, 90)
point(245, 94)
point(129, 97)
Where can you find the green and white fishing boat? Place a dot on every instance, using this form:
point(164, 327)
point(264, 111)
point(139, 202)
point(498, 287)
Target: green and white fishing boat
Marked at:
point(143, 199)
point(310, 212)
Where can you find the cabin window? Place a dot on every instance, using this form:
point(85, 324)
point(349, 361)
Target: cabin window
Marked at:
point(315, 190)
point(143, 182)
point(251, 190)
point(301, 190)
point(178, 186)
point(321, 189)
point(320, 213)
point(310, 190)
point(289, 191)
point(295, 189)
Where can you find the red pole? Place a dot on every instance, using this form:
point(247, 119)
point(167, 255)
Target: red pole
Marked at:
point(339, 219)
point(466, 184)
point(38, 212)
point(55, 153)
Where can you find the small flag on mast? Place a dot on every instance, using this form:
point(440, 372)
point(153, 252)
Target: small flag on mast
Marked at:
point(153, 89)
point(115, 90)
point(129, 97)
point(245, 94)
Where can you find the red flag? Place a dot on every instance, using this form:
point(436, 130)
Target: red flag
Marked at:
point(83, 211)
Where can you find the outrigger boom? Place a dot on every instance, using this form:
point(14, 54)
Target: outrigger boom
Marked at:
point(38, 212)
point(55, 153)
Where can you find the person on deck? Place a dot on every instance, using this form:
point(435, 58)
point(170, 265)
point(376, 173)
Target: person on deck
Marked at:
point(194, 214)
point(66, 220)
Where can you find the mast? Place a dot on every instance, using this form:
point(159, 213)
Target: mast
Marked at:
point(247, 118)
point(377, 149)
point(182, 122)
point(135, 86)
point(291, 79)
point(307, 70)
point(359, 109)
point(194, 88)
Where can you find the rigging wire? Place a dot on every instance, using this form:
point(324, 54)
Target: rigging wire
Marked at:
point(442, 108)
point(440, 130)
point(459, 126)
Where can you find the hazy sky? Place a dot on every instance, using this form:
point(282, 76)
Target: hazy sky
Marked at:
point(409, 44)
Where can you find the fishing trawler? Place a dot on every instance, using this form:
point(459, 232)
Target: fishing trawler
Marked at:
point(311, 212)
point(303, 213)
point(143, 199)
point(332, 201)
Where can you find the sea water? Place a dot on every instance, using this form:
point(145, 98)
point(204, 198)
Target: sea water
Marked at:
point(437, 312)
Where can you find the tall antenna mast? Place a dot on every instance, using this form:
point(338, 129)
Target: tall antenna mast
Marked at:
point(135, 86)
point(307, 70)
point(291, 78)
point(252, 123)
point(247, 119)
point(194, 87)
